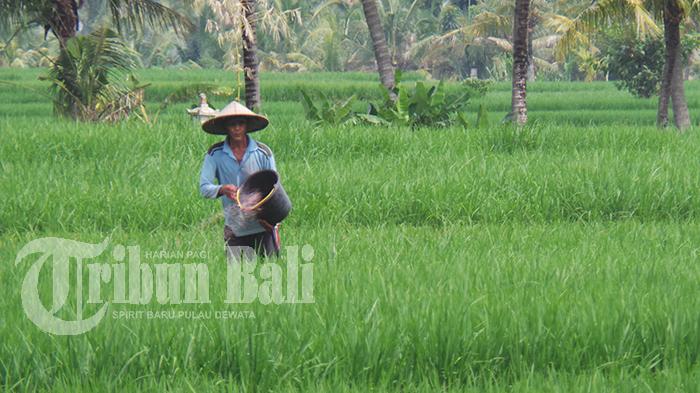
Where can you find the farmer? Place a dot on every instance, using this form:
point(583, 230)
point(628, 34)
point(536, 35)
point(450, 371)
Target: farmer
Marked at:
point(230, 162)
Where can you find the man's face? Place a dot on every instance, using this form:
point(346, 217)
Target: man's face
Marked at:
point(235, 128)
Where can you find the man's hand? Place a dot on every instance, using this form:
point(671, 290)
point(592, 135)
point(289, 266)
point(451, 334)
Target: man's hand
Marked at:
point(228, 190)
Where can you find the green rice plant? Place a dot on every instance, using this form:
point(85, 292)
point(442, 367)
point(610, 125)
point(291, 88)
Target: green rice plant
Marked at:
point(559, 257)
point(458, 306)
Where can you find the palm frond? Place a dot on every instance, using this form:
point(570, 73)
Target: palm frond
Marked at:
point(576, 32)
point(90, 74)
point(545, 65)
point(135, 14)
point(490, 23)
point(545, 42)
point(277, 23)
point(325, 5)
point(19, 14)
point(501, 43)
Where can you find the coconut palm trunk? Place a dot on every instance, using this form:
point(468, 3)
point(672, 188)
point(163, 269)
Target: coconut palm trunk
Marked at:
point(672, 88)
point(250, 58)
point(520, 61)
point(381, 51)
point(64, 20)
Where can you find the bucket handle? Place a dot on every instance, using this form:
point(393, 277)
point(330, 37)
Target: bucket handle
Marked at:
point(257, 205)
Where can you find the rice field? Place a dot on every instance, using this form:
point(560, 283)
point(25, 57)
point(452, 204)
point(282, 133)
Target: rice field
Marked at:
point(562, 258)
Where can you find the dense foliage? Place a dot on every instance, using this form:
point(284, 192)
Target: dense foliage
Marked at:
point(417, 106)
point(327, 111)
point(450, 39)
point(636, 65)
point(89, 79)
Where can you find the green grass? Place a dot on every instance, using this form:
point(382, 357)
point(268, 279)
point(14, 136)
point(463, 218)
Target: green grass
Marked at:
point(562, 258)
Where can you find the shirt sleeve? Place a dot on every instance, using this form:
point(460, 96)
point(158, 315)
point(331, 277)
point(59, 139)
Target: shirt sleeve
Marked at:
point(272, 164)
point(206, 179)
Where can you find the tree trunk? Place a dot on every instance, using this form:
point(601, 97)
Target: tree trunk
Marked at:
point(250, 59)
point(672, 79)
point(520, 60)
point(674, 14)
point(63, 23)
point(664, 92)
point(381, 51)
point(64, 20)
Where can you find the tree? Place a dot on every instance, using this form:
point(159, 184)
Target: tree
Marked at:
point(250, 57)
point(89, 79)
point(484, 38)
point(672, 12)
point(637, 65)
point(520, 61)
point(403, 24)
point(61, 16)
point(381, 51)
point(82, 73)
point(235, 23)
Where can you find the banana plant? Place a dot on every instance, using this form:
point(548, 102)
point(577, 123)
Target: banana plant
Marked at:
point(327, 111)
point(420, 106)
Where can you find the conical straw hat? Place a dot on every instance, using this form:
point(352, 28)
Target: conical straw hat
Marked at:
point(234, 109)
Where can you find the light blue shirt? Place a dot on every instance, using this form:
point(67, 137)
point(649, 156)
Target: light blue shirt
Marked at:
point(222, 165)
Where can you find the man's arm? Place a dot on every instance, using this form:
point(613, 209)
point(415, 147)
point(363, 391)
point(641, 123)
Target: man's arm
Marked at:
point(269, 161)
point(206, 179)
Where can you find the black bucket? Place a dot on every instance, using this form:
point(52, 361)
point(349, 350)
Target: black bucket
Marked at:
point(275, 204)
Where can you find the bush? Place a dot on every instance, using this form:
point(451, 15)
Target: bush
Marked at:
point(637, 65)
point(415, 107)
point(327, 110)
point(423, 106)
point(91, 78)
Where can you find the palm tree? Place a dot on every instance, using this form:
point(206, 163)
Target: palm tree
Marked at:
point(89, 78)
point(250, 57)
point(61, 16)
point(405, 23)
point(672, 77)
point(83, 74)
point(235, 23)
point(381, 51)
point(485, 36)
point(520, 61)
point(672, 12)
